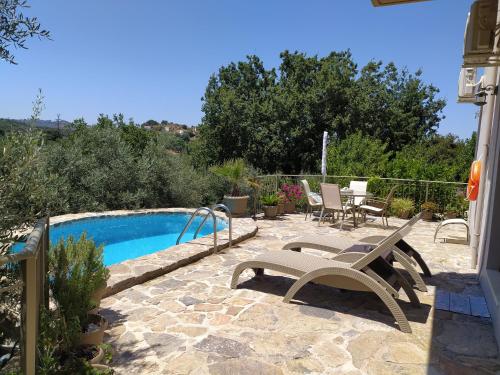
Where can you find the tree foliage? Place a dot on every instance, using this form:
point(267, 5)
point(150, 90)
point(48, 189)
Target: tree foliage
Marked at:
point(440, 158)
point(275, 120)
point(15, 28)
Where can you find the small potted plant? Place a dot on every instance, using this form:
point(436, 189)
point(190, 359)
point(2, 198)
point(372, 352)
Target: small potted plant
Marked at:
point(451, 211)
point(402, 207)
point(270, 205)
point(428, 210)
point(292, 194)
point(77, 272)
point(235, 172)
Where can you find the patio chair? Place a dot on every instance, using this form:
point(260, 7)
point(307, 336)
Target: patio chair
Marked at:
point(353, 270)
point(332, 202)
point(402, 252)
point(314, 200)
point(379, 207)
point(361, 187)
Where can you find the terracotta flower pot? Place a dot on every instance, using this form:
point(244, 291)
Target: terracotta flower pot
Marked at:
point(404, 214)
point(450, 215)
point(237, 205)
point(289, 207)
point(280, 208)
point(427, 215)
point(95, 333)
point(96, 298)
point(270, 211)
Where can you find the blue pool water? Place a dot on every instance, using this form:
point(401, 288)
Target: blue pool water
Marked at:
point(132, 236)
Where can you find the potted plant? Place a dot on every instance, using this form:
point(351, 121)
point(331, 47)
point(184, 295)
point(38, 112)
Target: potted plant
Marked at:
point(451, 211)
point(77, 272)
point(292, 194)
point(402, 207)
point(428, 210)
point(235, 172)
point(270, 205)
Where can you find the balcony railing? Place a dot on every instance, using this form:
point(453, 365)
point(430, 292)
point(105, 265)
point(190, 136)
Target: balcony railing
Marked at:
point(443, 193)
point(31, 261)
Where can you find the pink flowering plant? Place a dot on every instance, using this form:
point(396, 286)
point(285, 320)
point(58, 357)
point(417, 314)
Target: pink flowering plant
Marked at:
point(291, 193)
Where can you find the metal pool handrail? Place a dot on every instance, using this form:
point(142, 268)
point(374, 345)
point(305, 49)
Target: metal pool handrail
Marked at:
point(209, 212)
point(222, 207)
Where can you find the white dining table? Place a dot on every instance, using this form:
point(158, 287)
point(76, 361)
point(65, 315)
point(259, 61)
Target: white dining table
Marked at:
point(351, 194)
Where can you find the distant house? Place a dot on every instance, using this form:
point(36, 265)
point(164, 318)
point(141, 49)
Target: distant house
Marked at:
point(170, 127)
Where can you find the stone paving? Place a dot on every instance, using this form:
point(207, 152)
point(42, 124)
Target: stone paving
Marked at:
point(190, 322)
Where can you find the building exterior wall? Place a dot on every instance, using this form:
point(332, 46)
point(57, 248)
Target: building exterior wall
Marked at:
point(489, 248)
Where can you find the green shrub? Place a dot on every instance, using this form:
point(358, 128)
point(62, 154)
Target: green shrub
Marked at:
point(270, 200)
point(236, 173)
point(430, 207)
point(98, 168)
point(77, 271)
point(402, 207)
point(167, 179)
point(377, 186)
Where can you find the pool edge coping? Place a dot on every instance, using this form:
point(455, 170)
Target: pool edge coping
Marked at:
point(139, 270)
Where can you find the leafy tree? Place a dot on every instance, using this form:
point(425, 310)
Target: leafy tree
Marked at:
point(151, 123)
point(167, 179)
point(358, 155)
point(15, 28)
point(97, 166)
point(275, 120)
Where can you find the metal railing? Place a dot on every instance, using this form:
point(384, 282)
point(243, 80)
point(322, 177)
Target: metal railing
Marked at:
point(191, 219)
point(442, 193)
point(33, 260)
point(224, 208)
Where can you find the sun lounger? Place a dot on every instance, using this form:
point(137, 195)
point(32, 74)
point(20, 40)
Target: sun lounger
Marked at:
point(352, 270)
point(402, 253)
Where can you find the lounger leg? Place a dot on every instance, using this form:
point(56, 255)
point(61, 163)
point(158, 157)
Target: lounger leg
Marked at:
point(358, 276)
point(419, 283)
point(408, 250)
point(408, 289)
point(256, 266)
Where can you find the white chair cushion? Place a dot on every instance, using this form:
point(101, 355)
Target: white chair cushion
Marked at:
point(316, 198)
point(371, 208)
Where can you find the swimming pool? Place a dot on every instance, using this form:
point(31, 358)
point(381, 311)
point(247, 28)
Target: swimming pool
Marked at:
point(132, 236)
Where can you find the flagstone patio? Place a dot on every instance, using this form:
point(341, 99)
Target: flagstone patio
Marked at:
point(190, 322)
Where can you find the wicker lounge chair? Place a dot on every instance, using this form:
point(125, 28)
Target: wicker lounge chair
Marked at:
point(379, 207)
point(402, 252)
point(332, 202)
point(313, 201)
point(357, 271)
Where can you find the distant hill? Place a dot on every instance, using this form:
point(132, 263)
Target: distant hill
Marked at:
point(39, 123)
point(49, 127)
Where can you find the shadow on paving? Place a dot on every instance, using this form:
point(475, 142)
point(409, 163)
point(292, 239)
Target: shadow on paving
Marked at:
point(460, 344)
point(362, 304)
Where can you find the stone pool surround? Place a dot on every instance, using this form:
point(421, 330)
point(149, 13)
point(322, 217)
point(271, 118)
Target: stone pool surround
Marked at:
point(139, 270)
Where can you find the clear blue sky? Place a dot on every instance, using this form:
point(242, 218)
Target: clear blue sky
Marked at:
point(152, 59)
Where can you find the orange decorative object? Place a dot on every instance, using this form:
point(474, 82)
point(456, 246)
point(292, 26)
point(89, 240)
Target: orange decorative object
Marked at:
point(474, 178)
